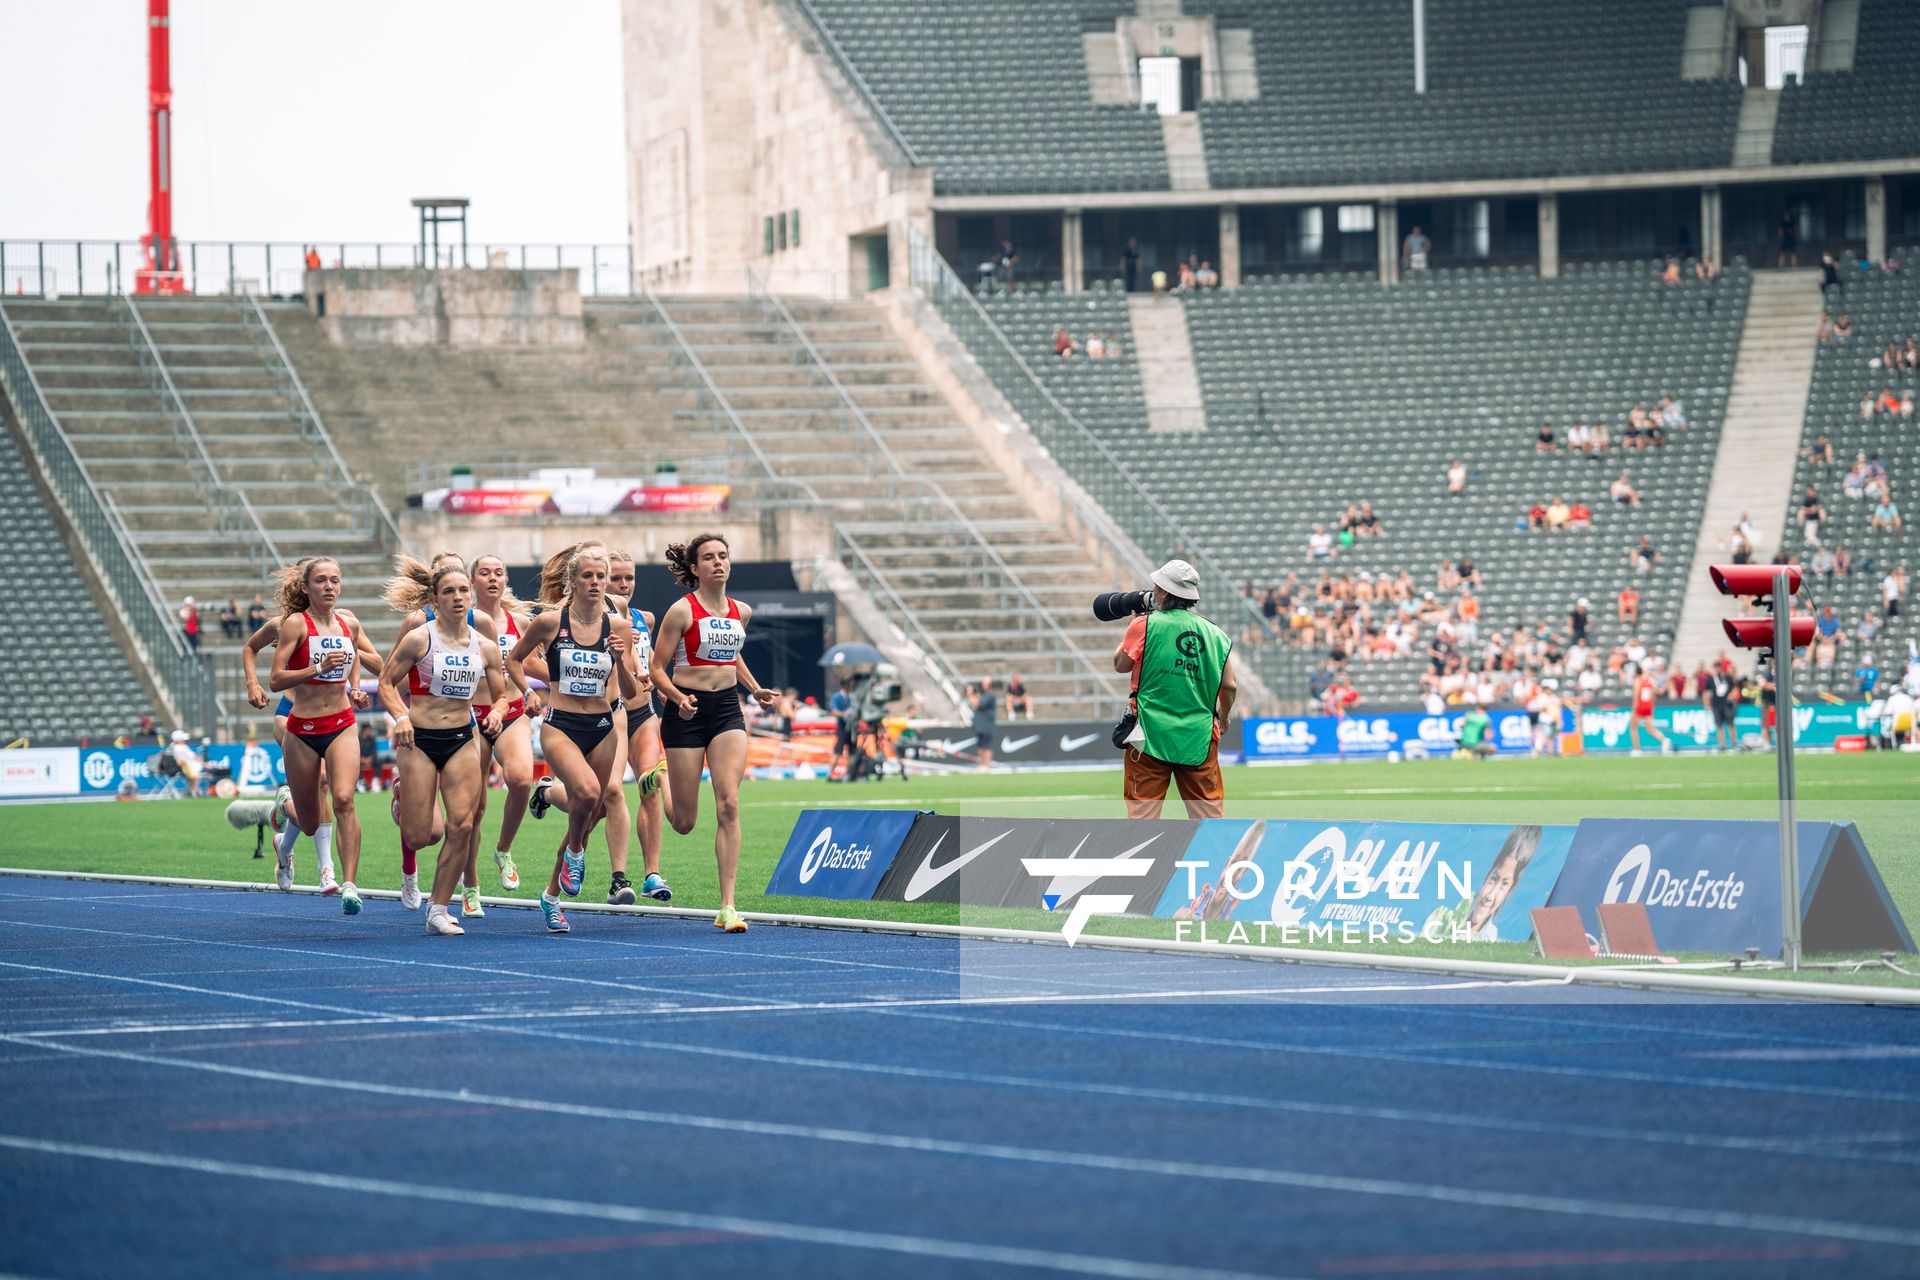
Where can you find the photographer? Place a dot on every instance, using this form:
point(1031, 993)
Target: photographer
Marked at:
point(1183, 691)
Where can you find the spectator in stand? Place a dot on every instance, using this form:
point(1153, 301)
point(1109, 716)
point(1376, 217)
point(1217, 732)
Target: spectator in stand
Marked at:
point(1578, 621)
point(1643, 556)
point(1159, 282)
point(1830, 282)
point(1670, 274)
point(1114, 350)
point(1623, 492)
point(1822, 563)
point(1789, 240)
point(256, 615)
point(1543, 442)
point(1456, 476)
point(1536, 519)
point(1892, 588)
point(1627, 608)
point(1581, 516)
point(1558, 513)
point(190, 624)
point(1819, 453)
point(1366, 524)
point(1207, 276)
point(312, 258)
point(1019, 704)
point(1906, 404)
point(1673, 413)
point(1866, 676)
point(1867, 402)
point(1705, 270)
point(1579, 439)
point(1468, 571)
point(1888, 404)
point(1602, 441)
point(1320, 544)
point(1469, 609)
point(1414, 250)
point(1886, 516)
point(1130, 264)
point(1812, 512)
point(1842, 563)
point(1189, 277)
point(1096, 346)
point(1064, 346)
point(1006, 261)
point(1827, 625)
point(230, 619)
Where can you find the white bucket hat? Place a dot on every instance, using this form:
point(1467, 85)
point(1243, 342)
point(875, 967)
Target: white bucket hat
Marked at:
point(1178, 578)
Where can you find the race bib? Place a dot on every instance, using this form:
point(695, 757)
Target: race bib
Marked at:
point(320, 646)
point(584, 672)
point(455, 675)
point(721, 640)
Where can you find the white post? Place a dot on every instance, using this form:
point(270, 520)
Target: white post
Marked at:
point(1783, 752)
point(1419, 46)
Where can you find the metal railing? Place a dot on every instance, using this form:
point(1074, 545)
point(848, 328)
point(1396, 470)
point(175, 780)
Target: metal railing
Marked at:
point(846, 550)
point(377, 520)
point(1092, 683)
point(48, 268)
point(235, 513)
point(1122, 509)
point(184, 680)
point(859, 82)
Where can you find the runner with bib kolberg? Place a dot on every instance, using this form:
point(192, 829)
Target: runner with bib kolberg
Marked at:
point(1183, 691)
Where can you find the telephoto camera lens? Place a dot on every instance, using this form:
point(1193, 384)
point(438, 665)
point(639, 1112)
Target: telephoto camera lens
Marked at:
point(1111, 606)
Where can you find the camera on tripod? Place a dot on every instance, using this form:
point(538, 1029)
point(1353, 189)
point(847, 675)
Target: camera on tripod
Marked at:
point(1111, 606)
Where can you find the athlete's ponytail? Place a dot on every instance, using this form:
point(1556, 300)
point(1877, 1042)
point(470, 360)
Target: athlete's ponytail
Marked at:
point(556, 575)
point(411, 587)
point(684, 557)
point(292, 594)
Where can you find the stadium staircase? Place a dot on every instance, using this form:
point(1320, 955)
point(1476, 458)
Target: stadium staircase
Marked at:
point(1754, 472)
point(1164, 352)
point(190, 426)
point(37, 570)
point(834, 409)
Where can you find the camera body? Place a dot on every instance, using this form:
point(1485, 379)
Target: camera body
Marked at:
point(1111, 606)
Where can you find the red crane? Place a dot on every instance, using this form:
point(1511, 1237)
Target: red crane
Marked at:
point(160, 272)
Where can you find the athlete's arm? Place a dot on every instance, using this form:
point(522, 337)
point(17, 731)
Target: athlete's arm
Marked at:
point(620, 645)
point(409, 649)
point(765, 697)
point(356, 696)
point(673, 626)
point(279, 679)
point(532, 640)
point(267, 635)
point(497, 684)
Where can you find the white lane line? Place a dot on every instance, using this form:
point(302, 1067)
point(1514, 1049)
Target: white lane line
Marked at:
point(1298, 1179)
point(792, 1232)
point(1414, 1059)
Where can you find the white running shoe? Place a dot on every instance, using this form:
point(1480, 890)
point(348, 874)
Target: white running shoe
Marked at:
point(442, 925)
point(283, 871)
point(328, 886)
point(410, 891)
point(349, 899)
point(509, 874)
point(1666, 748)
point(282, 800)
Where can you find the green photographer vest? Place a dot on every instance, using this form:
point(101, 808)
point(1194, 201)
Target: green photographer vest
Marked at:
point(1181, 666)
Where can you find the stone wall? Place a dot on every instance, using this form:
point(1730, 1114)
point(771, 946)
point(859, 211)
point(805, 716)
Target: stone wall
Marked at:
point(735, 116)
point(456, 307)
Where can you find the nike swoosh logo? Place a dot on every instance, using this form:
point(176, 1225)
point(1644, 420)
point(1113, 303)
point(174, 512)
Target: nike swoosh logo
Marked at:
point(1011, 745)
point(927, 877)
point(951, 745)
point(1074, 744)
point(1060, 884)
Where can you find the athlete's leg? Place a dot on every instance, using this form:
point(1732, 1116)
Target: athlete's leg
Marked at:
point(460, 778)
point(585, 778)
point(343, 771)
point(514, 752)
point(613, 801)
point(646, 753)
point(727, 757)
point(682, 798)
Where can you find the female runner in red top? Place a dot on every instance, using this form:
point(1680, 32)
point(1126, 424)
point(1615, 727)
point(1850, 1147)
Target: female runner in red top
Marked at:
point(512, 747)
point(317, 662)
point(703, 635)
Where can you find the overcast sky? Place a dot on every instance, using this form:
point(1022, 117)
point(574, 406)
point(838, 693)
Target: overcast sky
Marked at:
point(317, 121)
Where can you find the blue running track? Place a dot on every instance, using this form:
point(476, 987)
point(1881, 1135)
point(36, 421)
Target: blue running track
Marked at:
point(201, 1082)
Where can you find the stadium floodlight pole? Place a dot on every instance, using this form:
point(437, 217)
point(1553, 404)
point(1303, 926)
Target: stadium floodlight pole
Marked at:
point(1419, 46)
point(160, 272)
point(1783, 754)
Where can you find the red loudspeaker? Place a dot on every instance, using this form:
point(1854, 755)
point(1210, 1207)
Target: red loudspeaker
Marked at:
point(1757, 633)
point(1752, 579)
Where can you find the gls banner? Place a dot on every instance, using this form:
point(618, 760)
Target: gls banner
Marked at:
point(1364, 737)
point(1026, 742)
point(1715, 886)
point(1359, 881)
point(840, 853)
point(1029, 862)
